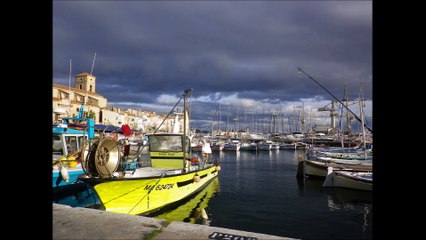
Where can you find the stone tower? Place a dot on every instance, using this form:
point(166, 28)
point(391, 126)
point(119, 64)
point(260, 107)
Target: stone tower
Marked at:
point(85, 81)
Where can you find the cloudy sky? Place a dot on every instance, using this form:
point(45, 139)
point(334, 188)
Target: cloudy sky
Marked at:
point(242, 55)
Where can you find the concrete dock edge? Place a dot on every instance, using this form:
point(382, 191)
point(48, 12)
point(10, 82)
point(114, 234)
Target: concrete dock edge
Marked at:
point(86, 223)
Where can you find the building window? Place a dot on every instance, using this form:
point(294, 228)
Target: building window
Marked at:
point(90, 88)
point(81, 86)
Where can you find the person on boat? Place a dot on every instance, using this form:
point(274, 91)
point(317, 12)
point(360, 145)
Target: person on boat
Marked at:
point(195, 160)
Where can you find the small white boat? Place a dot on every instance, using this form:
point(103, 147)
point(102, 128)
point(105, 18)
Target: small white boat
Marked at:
point(233, 145)
point(246, 146)
point(265, 145)
point(288, 146)
point(319, 169)
point(349, 179)
point(351, 161)
point(217, 146)
point(275, 146)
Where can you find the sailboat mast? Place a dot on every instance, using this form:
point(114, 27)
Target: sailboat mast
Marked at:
point(220, 119)
point(341, 126)
point(214, 118)
point(361, 110)
point(213, 124)
point(301, 71)
point(303, 118)
point(227, 121)
point(348, 120)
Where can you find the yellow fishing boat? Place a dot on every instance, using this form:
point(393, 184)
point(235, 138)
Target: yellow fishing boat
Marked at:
point(174, 173)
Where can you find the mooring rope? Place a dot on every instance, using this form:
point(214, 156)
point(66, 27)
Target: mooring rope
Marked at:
point(152, 188)
point(126, 193)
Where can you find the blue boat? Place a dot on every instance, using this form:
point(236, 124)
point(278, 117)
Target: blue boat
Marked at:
point(67, 144)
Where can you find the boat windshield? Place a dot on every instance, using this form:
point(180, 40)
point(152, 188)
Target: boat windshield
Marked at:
point(57, 145)
point(164, 143)
point(71, 142)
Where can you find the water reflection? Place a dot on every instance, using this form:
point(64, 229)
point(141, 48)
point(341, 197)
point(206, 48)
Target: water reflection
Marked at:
point(193, 210)
point(341, 200)
point(77, 195)
point(259, 192)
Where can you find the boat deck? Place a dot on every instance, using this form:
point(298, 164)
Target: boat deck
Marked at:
point(158, 172)
point(340, 166)
point(367, 176)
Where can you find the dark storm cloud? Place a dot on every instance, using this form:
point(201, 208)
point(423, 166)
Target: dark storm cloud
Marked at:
point(252, 49)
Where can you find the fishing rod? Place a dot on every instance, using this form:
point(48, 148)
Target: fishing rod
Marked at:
point(359, 119)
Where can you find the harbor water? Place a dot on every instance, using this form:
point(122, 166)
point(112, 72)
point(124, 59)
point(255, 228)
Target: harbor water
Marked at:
point(259, 192)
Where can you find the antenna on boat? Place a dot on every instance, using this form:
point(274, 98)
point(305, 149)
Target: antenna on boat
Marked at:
point(185, 117)
point(69, 91)
point(183, 96)
point(93, 64)
point(186, 111)
point(359, 119)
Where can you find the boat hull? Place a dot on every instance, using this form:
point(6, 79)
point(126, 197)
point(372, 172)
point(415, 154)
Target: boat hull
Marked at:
point(315, 169)
point(346, 180)
point(143, 195)
point(73, 175)
point(319, 169)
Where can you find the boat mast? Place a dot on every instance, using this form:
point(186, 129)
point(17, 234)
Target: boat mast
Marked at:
point(301, 71)
point(220, 119)
point(69, 91)
point(227, 121)
point(85, 96)
point(93, 64)
point(348, 119)
point(214, 115)
point(303, 118)
point(185, 120)
point(213, 120)
point(341, 132)
point(361, 110)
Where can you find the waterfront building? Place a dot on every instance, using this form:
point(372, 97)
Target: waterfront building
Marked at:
point(67, 101)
